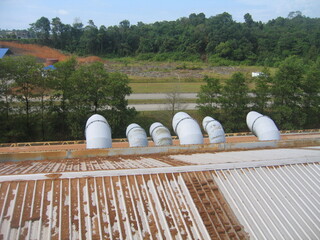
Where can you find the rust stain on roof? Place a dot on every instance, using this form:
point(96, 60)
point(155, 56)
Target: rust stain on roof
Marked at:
point(181, 205)
point(89, 164)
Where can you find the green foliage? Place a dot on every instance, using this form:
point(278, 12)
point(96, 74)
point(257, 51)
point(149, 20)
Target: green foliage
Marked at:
point(287, 94)
point(209, 97)
point(234, 102)
point(311, 96)
point(55, 104)
point(218, 38)
point(262, 91)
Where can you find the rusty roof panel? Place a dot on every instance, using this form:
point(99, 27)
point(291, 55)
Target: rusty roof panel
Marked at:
point(150, 206)
point(87, 164)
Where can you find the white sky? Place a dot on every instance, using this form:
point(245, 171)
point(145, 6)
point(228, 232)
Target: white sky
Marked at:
point(18, 14)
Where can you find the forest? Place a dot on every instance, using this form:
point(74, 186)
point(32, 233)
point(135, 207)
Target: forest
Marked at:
point(217, 39)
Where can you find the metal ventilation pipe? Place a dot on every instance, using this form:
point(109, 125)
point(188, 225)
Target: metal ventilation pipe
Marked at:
point(214, 130)
point(262, 126)
point(187, 129)
point(98, 132)
point(136, 135)
point(160, 134)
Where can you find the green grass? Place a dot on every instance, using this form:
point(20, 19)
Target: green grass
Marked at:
point(164, 76)
point(158, 101)
point(165, 87)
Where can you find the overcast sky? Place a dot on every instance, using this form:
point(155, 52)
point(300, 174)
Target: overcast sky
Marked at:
point(18, 14)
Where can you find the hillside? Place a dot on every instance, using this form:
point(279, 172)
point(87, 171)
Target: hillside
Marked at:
point(41, 52)
point(146, 76)
point(219, 40)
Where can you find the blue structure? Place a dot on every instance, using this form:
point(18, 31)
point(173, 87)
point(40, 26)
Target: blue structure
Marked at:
point(50, 67)
point(3, 52)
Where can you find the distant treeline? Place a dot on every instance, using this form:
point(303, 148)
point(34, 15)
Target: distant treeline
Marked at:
point(217, 39)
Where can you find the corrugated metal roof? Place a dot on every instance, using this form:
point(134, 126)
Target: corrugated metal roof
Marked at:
point(156, 206)
point(266, 195)
point(89, 164)
point(3, 52)
point(278, 202)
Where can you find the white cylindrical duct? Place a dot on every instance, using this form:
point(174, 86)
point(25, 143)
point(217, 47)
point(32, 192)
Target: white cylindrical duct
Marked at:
point(262, 126)
point(136, 135)
point(98, 132)
point(214, 130)
point(187, 129)
point(160, 134)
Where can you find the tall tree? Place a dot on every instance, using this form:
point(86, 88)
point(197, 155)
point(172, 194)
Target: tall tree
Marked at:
point(118, 112)
point(57, 31)
point(61, 85)
point(311, 95)
point(287, 94)
point(6, 83)
point(262, 91)
point(42, 29)
point(209, 97)
point(27, 73)
point(89, 41)
point(235, 102)
point(94, 90)
point(90, 86)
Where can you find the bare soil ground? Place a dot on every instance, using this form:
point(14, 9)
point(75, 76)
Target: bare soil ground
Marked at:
point(42, 52)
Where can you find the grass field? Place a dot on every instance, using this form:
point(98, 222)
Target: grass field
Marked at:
point(165, 87)
point(159, 101)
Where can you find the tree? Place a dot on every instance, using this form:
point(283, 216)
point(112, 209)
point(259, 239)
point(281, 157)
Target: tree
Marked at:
point(118, 112)
point(90, 86)
point(262, 92)
point(294, 14)
point(311, 95)
point(27, 73)
point(89, 40)
point(62, 89)
point(94, 90)
point(248, 19)
point(287, 94)
point(6, 76)
point(42, 92)
point(209, 97)
point(42, 29)
point(57, 31)
point(102, 37)
point(173, 100)
point(234, 102)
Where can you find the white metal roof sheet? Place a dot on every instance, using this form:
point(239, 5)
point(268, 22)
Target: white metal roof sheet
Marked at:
point(277, 202)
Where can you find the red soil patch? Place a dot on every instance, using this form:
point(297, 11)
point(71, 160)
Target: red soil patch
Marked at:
point(43, 52)
point(35, 50)
point(90, 59)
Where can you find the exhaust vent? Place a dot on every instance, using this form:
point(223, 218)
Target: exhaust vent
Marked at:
point(262, 126)
point(187, 129)
point(136, 135)
point(160, 134)
point(98, 132)
point(214, 130)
